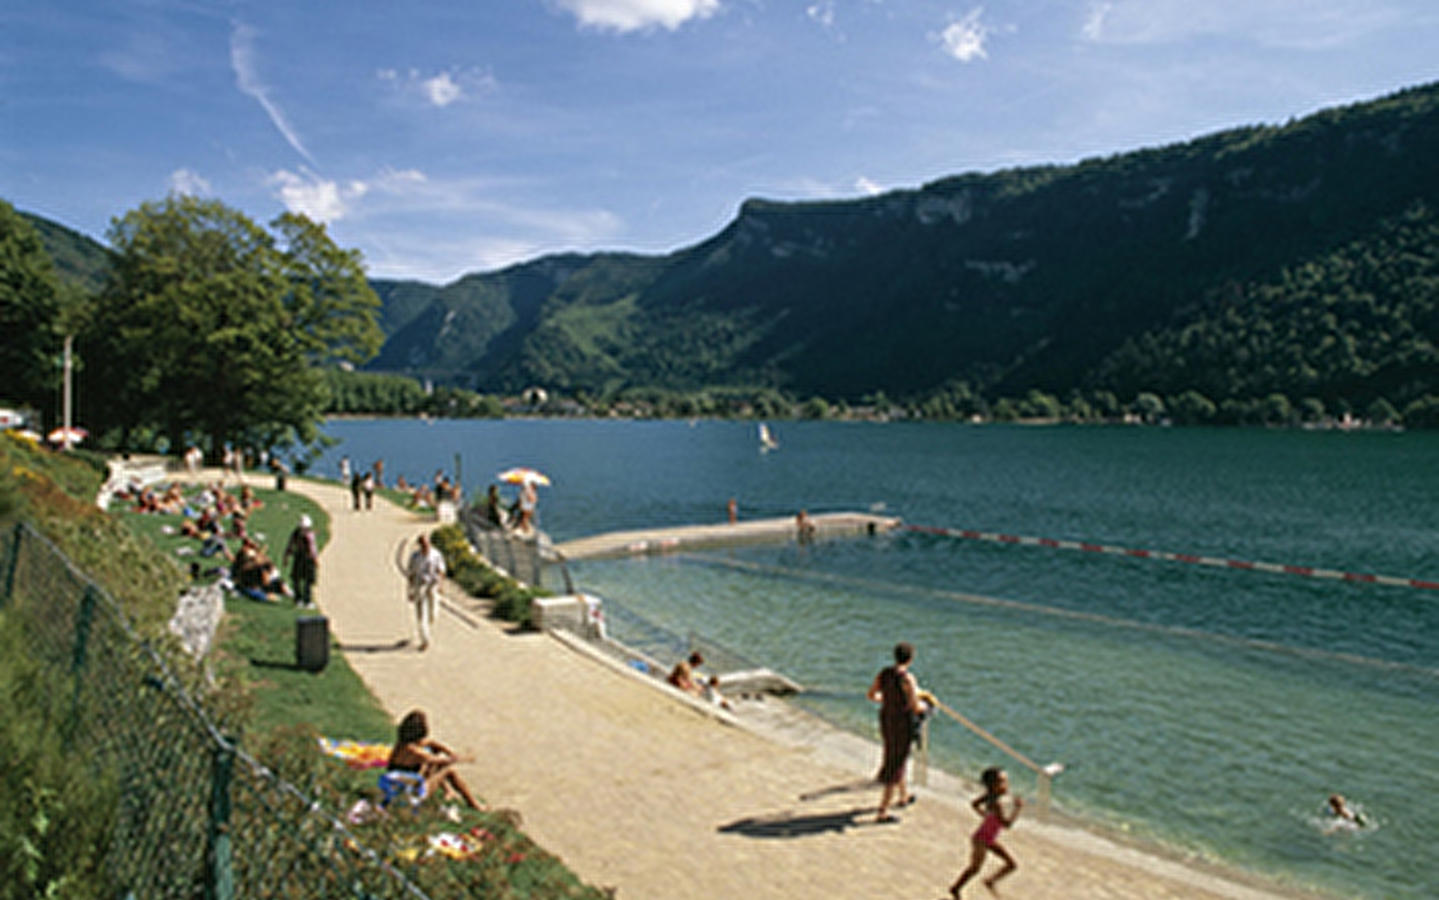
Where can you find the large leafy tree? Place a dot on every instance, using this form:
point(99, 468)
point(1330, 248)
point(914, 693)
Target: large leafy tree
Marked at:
point(212, 330)
point(30, 302)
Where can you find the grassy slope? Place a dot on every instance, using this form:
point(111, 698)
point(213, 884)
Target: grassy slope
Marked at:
point(257, 640)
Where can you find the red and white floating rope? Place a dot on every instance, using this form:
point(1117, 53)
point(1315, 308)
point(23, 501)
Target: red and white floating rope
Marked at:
point(1276, 568)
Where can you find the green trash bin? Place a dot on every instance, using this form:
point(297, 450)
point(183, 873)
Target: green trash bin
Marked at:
point(312, 643)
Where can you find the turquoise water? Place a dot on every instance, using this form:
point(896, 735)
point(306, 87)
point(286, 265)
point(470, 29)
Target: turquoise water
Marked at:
point(1211, 710)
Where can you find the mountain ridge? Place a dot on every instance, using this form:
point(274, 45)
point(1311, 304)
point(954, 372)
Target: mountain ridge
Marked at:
point(1056, 278)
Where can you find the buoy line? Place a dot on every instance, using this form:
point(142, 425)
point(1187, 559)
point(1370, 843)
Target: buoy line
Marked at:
point(1245, 565)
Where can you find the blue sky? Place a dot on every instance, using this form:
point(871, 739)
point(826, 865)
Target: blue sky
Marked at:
point(441, 138)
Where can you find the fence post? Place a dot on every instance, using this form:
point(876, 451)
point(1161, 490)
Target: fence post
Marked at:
point(83, 620)
point(79, 653)
point(13, 565)
point(219, 874)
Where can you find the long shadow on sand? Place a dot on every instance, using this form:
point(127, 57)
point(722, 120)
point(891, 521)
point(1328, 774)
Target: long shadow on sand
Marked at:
point(788, 825)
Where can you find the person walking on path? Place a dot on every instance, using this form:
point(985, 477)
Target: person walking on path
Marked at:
point(897, 693)
point(304, 559)
point(426, 568)
point(367, 487)
point(985, 839)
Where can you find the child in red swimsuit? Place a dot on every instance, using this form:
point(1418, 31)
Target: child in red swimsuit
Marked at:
point(986, 837)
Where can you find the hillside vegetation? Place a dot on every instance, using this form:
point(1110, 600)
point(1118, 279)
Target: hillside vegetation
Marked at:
point(1254, 270)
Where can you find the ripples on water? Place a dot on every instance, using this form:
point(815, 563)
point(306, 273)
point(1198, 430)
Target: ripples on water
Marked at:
point(1212, 709)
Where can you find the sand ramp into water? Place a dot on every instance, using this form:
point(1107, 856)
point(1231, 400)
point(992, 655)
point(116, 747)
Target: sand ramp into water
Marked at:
point(637, 790)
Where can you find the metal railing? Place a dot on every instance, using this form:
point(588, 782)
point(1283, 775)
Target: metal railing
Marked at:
point(522, 557)
point(195, 815)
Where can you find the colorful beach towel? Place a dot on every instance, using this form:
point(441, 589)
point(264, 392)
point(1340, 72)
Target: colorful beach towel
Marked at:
point(357, 754)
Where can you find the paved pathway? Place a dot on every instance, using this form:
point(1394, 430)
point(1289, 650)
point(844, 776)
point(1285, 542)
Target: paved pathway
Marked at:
point(639, 791)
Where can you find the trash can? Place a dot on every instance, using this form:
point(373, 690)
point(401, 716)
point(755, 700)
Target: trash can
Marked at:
point(280, 481)
point(312, 643)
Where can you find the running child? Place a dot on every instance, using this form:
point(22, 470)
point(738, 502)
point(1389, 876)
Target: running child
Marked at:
point(985, 839)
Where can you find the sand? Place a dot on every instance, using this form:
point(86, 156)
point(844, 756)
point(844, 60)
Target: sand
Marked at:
point(638, 790)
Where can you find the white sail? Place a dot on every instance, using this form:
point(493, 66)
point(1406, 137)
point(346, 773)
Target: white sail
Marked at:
point(766, 440)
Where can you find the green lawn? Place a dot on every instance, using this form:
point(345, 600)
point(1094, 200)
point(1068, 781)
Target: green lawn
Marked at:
point(256, 644)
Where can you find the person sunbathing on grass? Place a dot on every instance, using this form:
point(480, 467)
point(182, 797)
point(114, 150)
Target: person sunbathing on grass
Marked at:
point(415, 751)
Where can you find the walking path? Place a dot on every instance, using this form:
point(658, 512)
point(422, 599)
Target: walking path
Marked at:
point(636, 789)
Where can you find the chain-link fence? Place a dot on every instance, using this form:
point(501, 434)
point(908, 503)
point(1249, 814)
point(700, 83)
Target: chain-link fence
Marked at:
point(196, 815)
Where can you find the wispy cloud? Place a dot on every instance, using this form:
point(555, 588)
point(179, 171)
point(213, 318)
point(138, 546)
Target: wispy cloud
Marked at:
point(247, 77)
point(965, 38)
point(417, 225)
point(188, 183)
point(868, 187)
point(821, 12)
point(442, 89)
point(638, 15)
point(1297, 24)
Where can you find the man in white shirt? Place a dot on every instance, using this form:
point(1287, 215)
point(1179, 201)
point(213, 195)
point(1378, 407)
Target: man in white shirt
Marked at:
point(426, 568)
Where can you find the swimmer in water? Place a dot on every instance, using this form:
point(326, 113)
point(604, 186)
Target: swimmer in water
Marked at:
point(1342, 814)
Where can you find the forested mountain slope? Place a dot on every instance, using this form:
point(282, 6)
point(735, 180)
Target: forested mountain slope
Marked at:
point(1297, 259)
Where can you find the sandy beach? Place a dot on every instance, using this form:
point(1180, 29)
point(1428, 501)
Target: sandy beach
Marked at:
point(640, 791)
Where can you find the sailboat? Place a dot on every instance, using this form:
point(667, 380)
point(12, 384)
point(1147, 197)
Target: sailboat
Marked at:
point(766, 440)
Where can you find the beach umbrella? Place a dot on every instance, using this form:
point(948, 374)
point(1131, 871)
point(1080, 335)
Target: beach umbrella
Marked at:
point(523, 475)
point(73, 435)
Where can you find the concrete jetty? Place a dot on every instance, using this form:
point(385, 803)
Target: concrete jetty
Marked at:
point(694, 537)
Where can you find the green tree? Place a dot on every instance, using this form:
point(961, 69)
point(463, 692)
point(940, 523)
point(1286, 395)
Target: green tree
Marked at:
point(1149, 407)
point(1277, 410)
point(330, 302)
point(208, 330)
point(30, 300)
point(815, 408)
point(1311, 410)
point(1192, 408)
point(1422, 413)
point(1382, 412)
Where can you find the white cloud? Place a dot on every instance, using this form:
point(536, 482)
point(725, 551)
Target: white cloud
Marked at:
point(638, 15)
point(247, 78)
point(188, 183)
point(964, 39)
point(822, 12)
point(1302, 24)
point(318, 198)
point(442, 89)
point(868, 187)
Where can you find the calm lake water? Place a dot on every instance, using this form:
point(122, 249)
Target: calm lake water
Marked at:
point(1210, 710)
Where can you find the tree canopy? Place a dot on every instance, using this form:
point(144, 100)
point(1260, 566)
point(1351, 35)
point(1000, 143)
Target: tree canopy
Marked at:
point(30, 301)
point(211, 330)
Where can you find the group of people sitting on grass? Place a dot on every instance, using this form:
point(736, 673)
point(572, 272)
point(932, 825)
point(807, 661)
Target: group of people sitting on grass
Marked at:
point(217, 518)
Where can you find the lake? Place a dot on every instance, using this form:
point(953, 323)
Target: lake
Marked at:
point(1208, 709)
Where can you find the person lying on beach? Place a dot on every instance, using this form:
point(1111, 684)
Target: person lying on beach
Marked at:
point(415, 751)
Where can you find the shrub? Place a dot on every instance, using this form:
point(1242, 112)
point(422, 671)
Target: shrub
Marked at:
point(512, 601)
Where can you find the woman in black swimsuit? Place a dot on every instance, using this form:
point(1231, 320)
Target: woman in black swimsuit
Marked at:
point(415, 751)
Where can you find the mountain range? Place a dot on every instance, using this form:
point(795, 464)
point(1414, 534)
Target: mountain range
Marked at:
point(1300, 259)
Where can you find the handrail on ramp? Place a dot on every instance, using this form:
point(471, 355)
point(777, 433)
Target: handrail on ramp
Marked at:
point(1045, 774)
